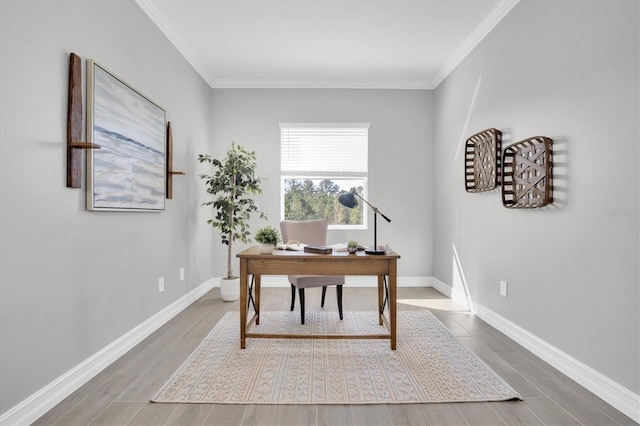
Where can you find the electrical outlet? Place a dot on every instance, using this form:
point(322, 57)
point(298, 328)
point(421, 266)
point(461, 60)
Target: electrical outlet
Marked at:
point(161, 285)
point(503, 288)
point(181, 274)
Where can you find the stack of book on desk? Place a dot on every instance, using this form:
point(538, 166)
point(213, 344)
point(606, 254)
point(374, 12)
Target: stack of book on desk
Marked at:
point(318, 249)
point(296, 246)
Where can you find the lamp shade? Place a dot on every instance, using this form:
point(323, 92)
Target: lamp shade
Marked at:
point(348, 199)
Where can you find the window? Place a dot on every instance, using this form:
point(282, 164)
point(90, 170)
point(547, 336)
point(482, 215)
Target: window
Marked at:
point(320, 161)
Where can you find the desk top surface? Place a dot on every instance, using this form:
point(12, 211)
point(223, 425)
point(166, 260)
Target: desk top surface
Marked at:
point(255, 252)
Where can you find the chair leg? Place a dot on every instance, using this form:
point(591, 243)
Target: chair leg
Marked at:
point(339, 295)
point(324, 292)
point(293, 296)
point(301, 291)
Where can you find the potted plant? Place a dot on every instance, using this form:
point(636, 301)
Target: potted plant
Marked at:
point(352, 246)
point(268, 237)
point(232, 185)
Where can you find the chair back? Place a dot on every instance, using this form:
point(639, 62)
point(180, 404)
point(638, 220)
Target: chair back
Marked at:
point(311, 232)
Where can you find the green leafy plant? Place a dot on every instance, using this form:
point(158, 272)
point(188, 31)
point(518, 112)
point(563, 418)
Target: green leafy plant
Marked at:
point(352, 243)
point(233, 183)
point(267, 235)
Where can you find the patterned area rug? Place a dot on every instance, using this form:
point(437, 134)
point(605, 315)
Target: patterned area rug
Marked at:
point(429, 365)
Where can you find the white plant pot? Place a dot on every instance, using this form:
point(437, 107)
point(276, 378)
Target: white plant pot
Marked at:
point(230, 289)
point(266, 248)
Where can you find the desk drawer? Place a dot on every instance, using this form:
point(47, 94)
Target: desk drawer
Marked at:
point(318, 266)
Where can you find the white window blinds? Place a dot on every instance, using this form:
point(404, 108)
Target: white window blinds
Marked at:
point(338, 149)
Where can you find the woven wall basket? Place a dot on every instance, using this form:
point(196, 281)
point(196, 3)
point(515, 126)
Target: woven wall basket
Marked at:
point(482, 161)
point(527, 173)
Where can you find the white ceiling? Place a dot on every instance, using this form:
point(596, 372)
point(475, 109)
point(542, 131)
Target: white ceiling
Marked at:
point(389, 44)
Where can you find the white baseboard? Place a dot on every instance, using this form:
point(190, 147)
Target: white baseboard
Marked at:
point(48, 397)
point(608, 390)
point(458, 296)
point(440, 286)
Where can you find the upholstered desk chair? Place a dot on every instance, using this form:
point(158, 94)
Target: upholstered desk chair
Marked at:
point(310, 232)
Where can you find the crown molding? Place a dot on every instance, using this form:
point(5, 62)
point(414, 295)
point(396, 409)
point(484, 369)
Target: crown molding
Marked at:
point(478, 34)
point(321, 84)
point(183, 48)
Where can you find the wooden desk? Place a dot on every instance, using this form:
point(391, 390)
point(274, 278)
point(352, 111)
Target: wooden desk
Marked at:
point(283, 262)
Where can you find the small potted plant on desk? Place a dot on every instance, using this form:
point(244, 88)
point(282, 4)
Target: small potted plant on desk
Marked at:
point(352, 247)
point(268, 237)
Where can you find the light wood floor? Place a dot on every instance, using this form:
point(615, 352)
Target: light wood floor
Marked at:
point(120, 394)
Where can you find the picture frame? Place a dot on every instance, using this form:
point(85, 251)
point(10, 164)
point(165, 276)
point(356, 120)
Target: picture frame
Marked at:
point(128, 173)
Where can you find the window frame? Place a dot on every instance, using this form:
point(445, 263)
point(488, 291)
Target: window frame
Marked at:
point(360, 178)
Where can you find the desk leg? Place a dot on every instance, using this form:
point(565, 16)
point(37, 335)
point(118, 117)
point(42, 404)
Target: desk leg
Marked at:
point(380, 298)
point(393, 298)
point(243, 302)
point(258, 286)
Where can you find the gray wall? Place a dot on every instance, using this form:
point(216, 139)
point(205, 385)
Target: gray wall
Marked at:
point(73, 281)
point(400, 159)
point(567, 70)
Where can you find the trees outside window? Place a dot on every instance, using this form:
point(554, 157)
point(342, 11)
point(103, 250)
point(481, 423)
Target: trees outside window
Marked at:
point(318, 199)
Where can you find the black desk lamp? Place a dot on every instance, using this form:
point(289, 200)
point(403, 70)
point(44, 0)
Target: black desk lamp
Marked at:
point(349, 200)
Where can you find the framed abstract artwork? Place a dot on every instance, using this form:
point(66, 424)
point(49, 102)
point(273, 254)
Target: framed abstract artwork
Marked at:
point(128, 173)
point(482, 161)
point(527, 174)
